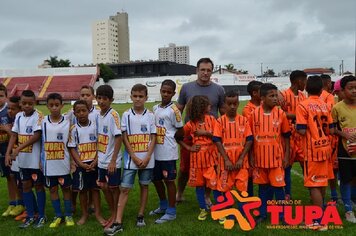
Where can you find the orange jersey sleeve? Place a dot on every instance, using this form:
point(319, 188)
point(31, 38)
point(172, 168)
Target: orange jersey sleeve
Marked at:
point(267, 130)
point(248, 109)
point(313, 115)
point(291, 100)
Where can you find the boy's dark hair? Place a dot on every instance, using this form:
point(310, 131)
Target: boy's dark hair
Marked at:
point(3, 88)
point(139, 88)
point(325, 77)
point(205, 60)
point(88, 87)
point(55, 96)
point(231, 93)
point(252, 86)
point(14, 99)
point(314, 85)
point(296, 74)
point(28, 93)
point(169, 83)
point(267, 87)
point(80, 102)
point(198, 106)
point(105, 91)
point(346, 79)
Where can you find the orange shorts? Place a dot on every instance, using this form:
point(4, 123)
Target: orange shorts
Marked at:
point(296, 153)
point(203, 177)
point(228, 179)
point(272, 176)
point(316, 173)
point(184, 163)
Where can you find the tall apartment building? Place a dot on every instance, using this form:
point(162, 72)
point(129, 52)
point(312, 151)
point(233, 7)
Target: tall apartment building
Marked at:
point(110, 39)
point(178, 54)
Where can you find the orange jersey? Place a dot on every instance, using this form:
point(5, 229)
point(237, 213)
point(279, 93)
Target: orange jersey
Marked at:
point(291, 101)
point(207, 155)
point(233, 135)
point(328, 98)
point(314, 116)
point(248, 109)
point(267, 130)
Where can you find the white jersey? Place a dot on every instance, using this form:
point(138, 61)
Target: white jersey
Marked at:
point(55, 157)
point(84, 139)
point(15, 166)
point(93, 115)
point(139, 128)
point(108, 128)
point(168, 119)
point(25, 127)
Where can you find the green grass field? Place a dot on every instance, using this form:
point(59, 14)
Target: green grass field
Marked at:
point(185, 224)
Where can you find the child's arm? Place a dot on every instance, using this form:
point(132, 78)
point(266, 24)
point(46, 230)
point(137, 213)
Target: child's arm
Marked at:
point(34, 138)
point(75, 155)
point(6, 128)
point(151, 148)
point(244, 152)
point(128, 147)
point(12, 141)
point(227, 162)
point(193, 148)
point(117, 147)
point(203, 133)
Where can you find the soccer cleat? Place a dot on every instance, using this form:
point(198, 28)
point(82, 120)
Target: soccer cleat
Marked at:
point(28, 222)
point(56, 222)
point(69, 221)
point(323, 228)
point(113, 229)
point(157, 211)
point(287, 197)
point(203, 214)
point(17, 210)
point(222, 220)
point(8, 210)
point(350, 217)
point(165, 218)
point(40, 222)
point(21, 216)
point(140, 222)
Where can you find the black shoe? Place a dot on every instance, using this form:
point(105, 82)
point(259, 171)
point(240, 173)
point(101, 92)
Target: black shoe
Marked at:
point(113, 229)
point(140, 222)
point(28, 222)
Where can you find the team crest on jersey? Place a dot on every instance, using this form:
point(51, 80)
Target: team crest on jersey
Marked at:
point(105, 129)
point(275, 123)
point(28, 129)
point(241, 129)
point(92, 137)
point(143, 128)
point(161, 121)
point(60, 136)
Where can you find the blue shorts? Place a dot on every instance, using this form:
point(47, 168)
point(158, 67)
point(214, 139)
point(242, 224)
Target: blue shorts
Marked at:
point(128, 177)
point(113, 180)
point(5, 170)
point(35, 175)
point(16, 174)
point(164, 170)
point(64, 181)
point(84, 180)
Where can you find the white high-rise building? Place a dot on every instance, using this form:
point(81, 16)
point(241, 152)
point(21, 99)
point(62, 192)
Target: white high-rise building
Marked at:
point(110, 39)
point(178, 54)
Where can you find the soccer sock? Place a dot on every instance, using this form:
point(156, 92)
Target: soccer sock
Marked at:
point(216, 194)
point(41, 201)
point(200, 193)
point(171, 211)
point(279, 193)
point(57, 207)
point(67, 207)
point(35, 206)
point(333, 193)
point(28, 199)
point(12, 203)
point(263, 195)
point(345, 189)
point(20, 202)
point(250, 186)
point(163, 204)
point(353, 193)
point(287, 180)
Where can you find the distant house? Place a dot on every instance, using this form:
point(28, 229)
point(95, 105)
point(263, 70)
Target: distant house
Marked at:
point(318, 71)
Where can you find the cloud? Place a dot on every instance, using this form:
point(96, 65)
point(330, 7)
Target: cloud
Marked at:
point(33, 48)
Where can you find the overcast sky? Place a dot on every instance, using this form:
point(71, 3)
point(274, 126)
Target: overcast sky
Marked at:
point(281, 34)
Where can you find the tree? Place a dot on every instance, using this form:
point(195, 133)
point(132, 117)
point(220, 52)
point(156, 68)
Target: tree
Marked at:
point(269, 73)
point(55, 62)
point(241, 71)
point(230, 67)
point(106, 72)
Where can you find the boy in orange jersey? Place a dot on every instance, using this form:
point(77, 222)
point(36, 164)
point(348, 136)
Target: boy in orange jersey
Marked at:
point(290, 99)
point(203, 152)
point(253, 88)
point(269, 127)
point(233, 138)
point(314, 123)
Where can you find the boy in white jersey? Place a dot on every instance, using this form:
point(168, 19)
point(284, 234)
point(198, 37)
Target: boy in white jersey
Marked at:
point(27, 132)
point(55, 159)
point(109, 144)
point(83, 148)
point(169, 124)
point(139, 135)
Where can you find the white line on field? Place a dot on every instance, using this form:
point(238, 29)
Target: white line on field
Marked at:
point(297, 173)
